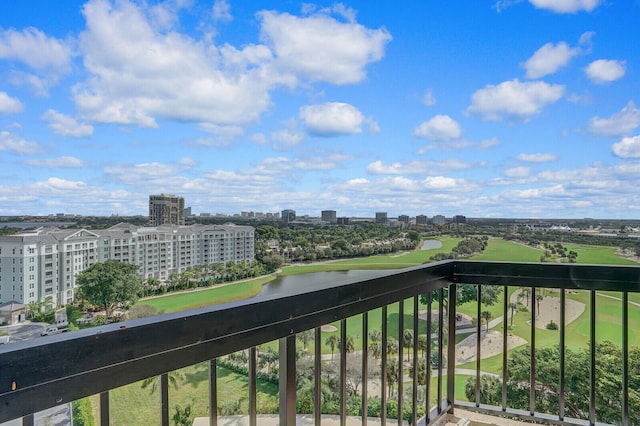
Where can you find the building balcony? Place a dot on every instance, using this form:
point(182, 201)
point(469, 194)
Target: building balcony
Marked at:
point(566, 374)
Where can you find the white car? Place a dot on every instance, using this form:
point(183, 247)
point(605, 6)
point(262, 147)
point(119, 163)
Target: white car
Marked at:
point(50, 330)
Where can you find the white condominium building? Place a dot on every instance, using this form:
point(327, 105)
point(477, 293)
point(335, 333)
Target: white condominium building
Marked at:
point(45, 262)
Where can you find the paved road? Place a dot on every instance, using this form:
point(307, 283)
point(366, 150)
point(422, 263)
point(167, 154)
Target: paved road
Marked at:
point(24, 331)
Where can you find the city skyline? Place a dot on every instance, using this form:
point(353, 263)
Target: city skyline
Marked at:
point(501, 108)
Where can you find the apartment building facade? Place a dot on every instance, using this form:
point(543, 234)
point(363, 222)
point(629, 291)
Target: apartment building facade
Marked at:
point(166, 209)
point(46, 261)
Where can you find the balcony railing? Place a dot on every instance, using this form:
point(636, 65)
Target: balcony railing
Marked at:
point(47, 372)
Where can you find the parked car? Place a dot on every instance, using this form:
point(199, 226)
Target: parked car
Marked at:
point(52, 330)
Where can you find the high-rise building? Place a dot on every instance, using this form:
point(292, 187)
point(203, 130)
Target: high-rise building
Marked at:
point(166, 209)
point(381, 217)
point(403, 218)
point(439, 220)
point(329, 216)
point(459, 219)
point(46, 261)
point(288, 216)
point(421, 219)
point(343, 220)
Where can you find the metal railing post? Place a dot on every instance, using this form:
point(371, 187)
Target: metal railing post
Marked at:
point(213, 393)
point(287, 375)
point(451, 349)
point(317, 402)
point(252, 386)
point(104, 409)
point(164, 397)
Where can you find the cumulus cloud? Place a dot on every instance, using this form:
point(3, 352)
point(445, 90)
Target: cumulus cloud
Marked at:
point(566, 6)
point(517, 172)
point(57, 163)
point(514, 100)
point(11, 142)
point(417, 167)
point(441, 182)
point(142, 172)
point(320, 47)
point(284, 139)
point(428, 99)
point(222, 11)
point(9, 105)
point(439, 128)
point(331, 119)
point(549, 59)
point(140, 72)
point(621, 123)
point(605, 70)
point(627, 147)
point(537, 158)
point(64, 125)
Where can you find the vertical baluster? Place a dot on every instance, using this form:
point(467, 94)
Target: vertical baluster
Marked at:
point(440, 343)
point(416, 331)
point(505, 349)
point(28, 420)
point(164, 397)
point(252, 387)
point(317, 403)
point(478, 341)
point(365, 366)
point(625, 358)
point(213, 393)
point(104, 409)
point(400, 356)
point(383, 379)
point(427, 395)
point(451, 349)
point(287, 379)
point(532, 374)
point(592, 359)
point(562, 351)
point(343, 372)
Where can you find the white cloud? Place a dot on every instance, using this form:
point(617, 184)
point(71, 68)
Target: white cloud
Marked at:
point(284, 139)
point(331, 119)
point(549, 59)
point(34, 48)
point(441, 182)
point(566, 6)
point(605, 70)
point(537, 158)
point(517, 172)
point(64, 125)
point(225, 134)
point(439, 128)
point(139, 72)
point(9, 105)
point(222, 11)
point(142, 172)
point(621, 123)
point(321, 48)
point(417, 167)
point(514, 100)
point(428, 99)
point(627, 147)
point(57, 163)
point(10, 142)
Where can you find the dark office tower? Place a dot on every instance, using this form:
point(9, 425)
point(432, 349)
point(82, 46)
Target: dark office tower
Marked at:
point(166, 209)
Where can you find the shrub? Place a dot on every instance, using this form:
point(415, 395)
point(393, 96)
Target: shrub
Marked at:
point(81, 412)
point(552, 326)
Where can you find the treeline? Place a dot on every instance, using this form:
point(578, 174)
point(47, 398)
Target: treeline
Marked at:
point(310, 243)
point(608, 389)
point(537, 238)
point(465, 248)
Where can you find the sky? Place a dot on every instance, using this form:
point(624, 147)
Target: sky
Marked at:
point(497, 108)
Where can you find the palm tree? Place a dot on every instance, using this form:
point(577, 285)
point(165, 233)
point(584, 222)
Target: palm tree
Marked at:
point(176, 378)
point(392, 374)
point(375, 349)
point(514, 307)
point(375, 335)
point(350, 344)
point(332, 342)
point(407, 340)
point(487, 315)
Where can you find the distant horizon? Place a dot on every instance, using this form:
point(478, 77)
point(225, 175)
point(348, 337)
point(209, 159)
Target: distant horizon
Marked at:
point(497, 108)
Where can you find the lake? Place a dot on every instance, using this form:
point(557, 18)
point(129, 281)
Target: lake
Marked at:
point(291, 284)
point(431, 244)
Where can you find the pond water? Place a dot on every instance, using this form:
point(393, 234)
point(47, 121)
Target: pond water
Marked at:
point(292, 284)
point(431, 244)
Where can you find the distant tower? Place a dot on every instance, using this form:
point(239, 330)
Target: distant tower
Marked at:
point(381, 217)
point(288, 216)
point(166, 209)
point(329, 216)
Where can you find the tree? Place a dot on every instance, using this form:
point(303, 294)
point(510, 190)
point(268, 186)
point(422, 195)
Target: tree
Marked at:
point(514, 307)
point(110, 284)
point(183, 416)
point(332, 342)
point(407, 340)
point(486, 316)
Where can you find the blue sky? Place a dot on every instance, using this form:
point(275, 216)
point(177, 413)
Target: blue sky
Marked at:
point(508, 108)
